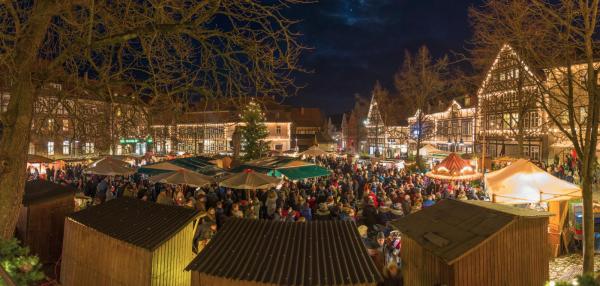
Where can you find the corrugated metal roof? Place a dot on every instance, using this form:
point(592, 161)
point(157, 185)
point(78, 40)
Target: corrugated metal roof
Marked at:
point(452, 228)
point(37, 191)
point(143, 224)
point(284, 253)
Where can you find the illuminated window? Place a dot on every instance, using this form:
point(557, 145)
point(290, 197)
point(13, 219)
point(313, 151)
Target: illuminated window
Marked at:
point(31, 148)
point(66, 148)
point(65, 125)
point(88, 148)
point(50, 148)
point(278, 131)
point(50, 124)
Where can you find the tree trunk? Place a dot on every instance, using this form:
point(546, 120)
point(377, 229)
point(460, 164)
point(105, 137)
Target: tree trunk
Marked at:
point(17, 119)
point(588, 220)
point(520, 144)
point(418, 153)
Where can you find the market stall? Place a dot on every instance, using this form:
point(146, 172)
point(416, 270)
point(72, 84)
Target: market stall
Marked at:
point(110, 167)
point(183, 177)
point(522, 182)
point(199, 164)
point(292, 169)
point(454, 168)
point(249, 180)
point(314, 151)
point(39, 163)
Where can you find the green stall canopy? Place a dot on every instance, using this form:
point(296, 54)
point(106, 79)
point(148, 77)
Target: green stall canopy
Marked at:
point(304, 172)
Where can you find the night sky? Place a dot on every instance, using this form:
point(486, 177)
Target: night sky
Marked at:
point(356, 42)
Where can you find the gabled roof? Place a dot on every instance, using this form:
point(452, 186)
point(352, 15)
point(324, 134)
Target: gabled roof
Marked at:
point(283, 253)
point(506, 48)
point(143, 224)
point(307, 117)
point(38, 191)
point(452, 229)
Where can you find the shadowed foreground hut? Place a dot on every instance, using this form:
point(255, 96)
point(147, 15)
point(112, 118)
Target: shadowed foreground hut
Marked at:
point(474, 243)
point(262, 252)
point(128, 242)
point(41, 220)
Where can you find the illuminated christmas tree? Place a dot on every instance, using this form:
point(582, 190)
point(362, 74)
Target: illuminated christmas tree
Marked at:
point(253, 132)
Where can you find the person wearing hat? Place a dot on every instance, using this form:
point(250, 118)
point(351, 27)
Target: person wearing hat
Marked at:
point(396, 211)
point(384, 213)
point(392, 275)
point(369, 215)
point(346, 214)
point(363, 231)
point(323, 212)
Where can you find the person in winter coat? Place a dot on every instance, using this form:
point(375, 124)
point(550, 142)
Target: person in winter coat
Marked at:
point(370, 217)
point(322, 213)
point(392, 276)
point(271, 203)
point(306, 212)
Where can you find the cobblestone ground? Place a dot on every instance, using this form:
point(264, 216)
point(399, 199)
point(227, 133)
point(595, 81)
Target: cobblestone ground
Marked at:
point(569, 266)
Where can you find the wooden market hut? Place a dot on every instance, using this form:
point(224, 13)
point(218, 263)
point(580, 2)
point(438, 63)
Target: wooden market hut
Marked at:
point(127, 241)
point(474, 243)
point(261, 252)
point(41, 220)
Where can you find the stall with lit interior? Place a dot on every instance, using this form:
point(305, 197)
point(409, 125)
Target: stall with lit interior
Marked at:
point(454, 168)
point(522, 182)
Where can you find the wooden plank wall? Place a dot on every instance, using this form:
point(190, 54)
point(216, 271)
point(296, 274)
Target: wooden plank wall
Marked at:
point(419, 267)
point(44, 227)
point(171, 258)
point(92, 258)
point(518, 255)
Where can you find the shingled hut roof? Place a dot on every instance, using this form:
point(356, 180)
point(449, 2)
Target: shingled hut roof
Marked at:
point(453, 228)
point(280, 253)
point(143, 224)
point(37, 191)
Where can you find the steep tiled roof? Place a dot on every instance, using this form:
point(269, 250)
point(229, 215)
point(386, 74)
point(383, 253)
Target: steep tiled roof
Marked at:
point(143, 224)
point(283, 253)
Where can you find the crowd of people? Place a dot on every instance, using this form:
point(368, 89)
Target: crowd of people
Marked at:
point(369, 194)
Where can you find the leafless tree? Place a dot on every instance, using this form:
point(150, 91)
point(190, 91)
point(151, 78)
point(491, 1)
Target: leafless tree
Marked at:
point(421, 82)
point(166, 51)
point(558, 38)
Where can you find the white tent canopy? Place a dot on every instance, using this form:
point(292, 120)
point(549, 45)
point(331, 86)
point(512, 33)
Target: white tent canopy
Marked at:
point(110, 167)
point(184, 177)
point(314, 151)
point(429, 149)
point(523, 182)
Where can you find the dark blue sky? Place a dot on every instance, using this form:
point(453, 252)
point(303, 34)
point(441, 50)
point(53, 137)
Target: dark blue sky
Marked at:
point(356, 42)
